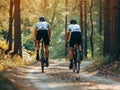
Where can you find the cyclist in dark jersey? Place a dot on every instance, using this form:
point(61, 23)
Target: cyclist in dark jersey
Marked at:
point(42, 30)
point(73, 35)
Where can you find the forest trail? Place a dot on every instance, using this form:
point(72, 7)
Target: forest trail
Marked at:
point(58, 77)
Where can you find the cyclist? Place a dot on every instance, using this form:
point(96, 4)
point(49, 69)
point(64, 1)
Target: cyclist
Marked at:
point(42, 30)
point(73, 35)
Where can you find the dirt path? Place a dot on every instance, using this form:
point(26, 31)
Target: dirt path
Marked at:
point(59, 77)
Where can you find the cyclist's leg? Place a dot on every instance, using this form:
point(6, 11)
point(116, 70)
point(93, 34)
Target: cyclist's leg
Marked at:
point(71, 53)
point(71, 44)
point(47, 54)
point(37, 50)
point(39, 36)
point(79, 41)
point(46, 42)
point(71, 57)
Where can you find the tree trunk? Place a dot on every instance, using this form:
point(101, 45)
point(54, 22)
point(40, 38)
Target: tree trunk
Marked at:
point(81, 19)
point(112, 29)
point(75, 5)
point(85, 28)
point(117, 31)
point(17, 29)
point(106, 50)
point(9, 37)
point(66, 2)
point(100, 16)
point(54, 11)
point(91, 37)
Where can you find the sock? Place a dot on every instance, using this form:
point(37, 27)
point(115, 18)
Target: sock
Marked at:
point(71, 60)
point(46, 58)
point(81, 54)
point(37, 52)
point(80, 51)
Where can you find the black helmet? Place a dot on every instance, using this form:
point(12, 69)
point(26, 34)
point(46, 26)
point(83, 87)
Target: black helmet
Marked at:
point(73, 21)
point(42, 19)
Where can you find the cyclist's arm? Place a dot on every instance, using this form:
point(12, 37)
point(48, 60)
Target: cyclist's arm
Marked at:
point(49, 33)
point(35, 33)
point(67, 37)
point(80, 38)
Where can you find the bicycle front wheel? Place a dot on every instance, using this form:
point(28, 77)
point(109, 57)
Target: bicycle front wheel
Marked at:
point(74, 66)
point(42, 64)
point(78, 66)
point(78, 61)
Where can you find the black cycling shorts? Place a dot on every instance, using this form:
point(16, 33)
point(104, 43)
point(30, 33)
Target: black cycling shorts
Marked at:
point(43, 34)
point(75, 38)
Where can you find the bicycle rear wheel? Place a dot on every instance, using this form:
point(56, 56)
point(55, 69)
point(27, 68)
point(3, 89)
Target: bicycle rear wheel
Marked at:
point(42, 64)
point(78, 61)
point(42, 60)
point(74, 66)
point(78, 67)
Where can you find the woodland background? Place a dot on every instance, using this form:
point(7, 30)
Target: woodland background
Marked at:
point(99, 21)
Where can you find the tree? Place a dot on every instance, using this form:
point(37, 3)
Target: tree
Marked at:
point(91, 37)
point(100, 16)
point(85, 28)
point(66, 17)
point(106, 49)
point(112, 30)
point(81, 18)
point(117, 31)
point(9, 37)
point(17, 29)
point(54, 11)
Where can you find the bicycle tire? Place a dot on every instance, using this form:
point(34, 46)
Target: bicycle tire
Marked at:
point(74, 66)
point(42, 60)
point(42, 65)
point(78, 61)
point(78, 67)
point(74, 60)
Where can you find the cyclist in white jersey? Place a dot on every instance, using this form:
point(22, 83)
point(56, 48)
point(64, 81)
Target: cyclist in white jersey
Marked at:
point(42, 30)
point(73, 36)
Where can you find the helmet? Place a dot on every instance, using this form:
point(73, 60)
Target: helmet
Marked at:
point(73, 21)
point(42, 19)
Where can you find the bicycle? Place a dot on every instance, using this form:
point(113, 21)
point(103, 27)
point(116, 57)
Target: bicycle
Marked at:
point(42, 59)
point(76, 59)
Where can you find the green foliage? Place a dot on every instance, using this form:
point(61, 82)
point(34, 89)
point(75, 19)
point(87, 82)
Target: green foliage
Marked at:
point(98, 40)
point(58, 39)
point(28, 43)
point(103, 64)
point(3, 34)
point(54, 12)
point(4, 4)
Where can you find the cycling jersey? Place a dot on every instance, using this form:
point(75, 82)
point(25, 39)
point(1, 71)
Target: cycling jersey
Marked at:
point(75, 36)
point(73, 28)
point(42, 26)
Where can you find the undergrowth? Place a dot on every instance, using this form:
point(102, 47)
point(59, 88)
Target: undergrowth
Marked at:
point(6, 62)
point(104, 64)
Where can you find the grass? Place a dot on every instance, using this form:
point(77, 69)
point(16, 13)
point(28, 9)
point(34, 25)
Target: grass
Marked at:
point(102, 64)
